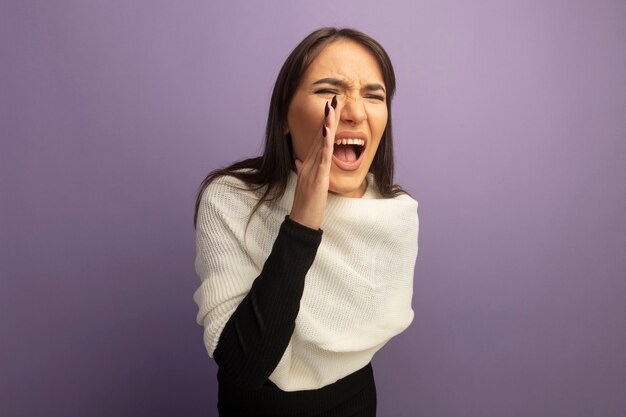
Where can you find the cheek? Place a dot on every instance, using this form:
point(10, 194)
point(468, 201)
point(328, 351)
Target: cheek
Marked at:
point(377, 117)
point(304, 119)
point(378, 120)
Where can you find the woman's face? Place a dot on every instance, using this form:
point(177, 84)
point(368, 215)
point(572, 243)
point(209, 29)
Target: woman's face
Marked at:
point(350, 71)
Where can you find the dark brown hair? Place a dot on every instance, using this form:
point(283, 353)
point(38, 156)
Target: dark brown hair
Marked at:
point(272, 168)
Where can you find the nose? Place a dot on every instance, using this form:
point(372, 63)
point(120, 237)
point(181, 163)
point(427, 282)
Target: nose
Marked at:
point(353, 110)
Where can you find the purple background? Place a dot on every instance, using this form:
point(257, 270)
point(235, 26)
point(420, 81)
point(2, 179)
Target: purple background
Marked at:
point(510, 125)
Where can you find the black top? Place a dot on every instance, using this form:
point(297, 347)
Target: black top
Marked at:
point(257, 334)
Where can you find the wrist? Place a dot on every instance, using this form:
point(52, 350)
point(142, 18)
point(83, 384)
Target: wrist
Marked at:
point(304, 221)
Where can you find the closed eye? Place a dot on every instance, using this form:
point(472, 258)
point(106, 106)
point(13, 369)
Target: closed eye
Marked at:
point(368, 96)
point(326, 91)
point(376, 97)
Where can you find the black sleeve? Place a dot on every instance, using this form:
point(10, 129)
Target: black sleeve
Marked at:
point(256, 335)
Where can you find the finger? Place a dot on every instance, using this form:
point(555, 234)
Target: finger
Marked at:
point(331, 128)
point(313, 147)
point(336, 114)
point(325, 131)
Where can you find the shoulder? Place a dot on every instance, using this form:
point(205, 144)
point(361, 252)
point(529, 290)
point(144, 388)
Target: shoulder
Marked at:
point(233, 186)
point(225, 185)
point(406, 197)
point(227, 195)
point(402, 195)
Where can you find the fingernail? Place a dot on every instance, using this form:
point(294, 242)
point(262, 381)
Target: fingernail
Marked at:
point(334, 102)
point(324, 130)
point(326, 110)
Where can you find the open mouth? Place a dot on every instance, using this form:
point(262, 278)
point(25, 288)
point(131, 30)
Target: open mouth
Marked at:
point(348, 150)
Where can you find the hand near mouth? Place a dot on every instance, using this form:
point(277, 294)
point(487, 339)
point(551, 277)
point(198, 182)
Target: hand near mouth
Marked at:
point(314, 173)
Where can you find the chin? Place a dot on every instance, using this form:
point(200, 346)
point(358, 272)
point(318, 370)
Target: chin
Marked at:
point(347, 185)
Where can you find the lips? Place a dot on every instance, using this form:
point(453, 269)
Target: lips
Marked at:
point(344, 156)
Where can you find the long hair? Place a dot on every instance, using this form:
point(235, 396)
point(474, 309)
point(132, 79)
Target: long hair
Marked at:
point(272, 168)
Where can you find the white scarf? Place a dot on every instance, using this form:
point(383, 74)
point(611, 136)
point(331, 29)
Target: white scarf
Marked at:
point(357, 293)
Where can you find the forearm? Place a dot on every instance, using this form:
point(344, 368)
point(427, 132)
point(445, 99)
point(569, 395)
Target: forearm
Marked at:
point(255, 337)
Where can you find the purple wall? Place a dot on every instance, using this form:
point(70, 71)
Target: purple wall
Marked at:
point(510, 125)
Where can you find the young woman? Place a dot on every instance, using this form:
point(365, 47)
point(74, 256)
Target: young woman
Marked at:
point(306, 253)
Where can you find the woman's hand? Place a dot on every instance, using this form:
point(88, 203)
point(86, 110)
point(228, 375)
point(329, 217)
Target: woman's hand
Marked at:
point(314, 173)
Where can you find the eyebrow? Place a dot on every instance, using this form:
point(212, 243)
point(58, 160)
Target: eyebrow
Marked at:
point(341, 83)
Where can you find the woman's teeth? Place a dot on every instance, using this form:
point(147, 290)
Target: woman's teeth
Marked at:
point(359, 142)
